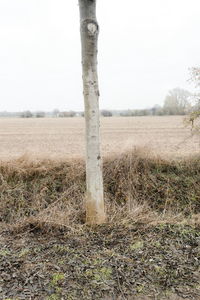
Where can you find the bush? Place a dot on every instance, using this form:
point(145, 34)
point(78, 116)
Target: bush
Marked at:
point(26, 114)
point(106, 113)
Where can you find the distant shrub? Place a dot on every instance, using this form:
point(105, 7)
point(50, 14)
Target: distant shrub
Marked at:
point(67, 114)
point(40, 114)
point(26, 114)
point(106, 113)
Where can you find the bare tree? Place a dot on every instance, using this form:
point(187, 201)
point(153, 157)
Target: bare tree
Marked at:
point(195, 76)
point(194, 117)
point(177, 102)
point(55, 113)
point(95, 213)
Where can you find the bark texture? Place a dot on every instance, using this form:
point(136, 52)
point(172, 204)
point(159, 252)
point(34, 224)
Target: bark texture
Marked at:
point(95, 213)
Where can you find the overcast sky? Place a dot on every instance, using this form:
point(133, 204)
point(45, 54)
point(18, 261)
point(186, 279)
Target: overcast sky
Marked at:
point(145, 49)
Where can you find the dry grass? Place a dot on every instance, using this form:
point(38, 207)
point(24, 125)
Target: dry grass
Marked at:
point(138, 188)
point(64, 138)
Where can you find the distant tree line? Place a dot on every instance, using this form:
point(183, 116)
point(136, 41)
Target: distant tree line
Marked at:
point(41, 114)
point(177, 102)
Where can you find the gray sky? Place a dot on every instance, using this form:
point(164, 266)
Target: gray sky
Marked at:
point(145, 49)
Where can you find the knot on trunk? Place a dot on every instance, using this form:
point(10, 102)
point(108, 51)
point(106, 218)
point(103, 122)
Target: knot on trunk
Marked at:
point(91, 27)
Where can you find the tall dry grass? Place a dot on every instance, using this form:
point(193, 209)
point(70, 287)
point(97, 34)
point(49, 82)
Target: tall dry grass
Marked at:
point(138, 188)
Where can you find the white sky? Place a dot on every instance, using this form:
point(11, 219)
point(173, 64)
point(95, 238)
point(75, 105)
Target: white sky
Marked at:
point(145, 49)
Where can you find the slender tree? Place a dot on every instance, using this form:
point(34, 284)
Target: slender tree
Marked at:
point(95, 213)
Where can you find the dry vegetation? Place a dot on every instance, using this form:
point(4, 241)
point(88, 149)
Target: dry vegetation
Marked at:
point(137, 187)
point(150, 246)
point(64, 137)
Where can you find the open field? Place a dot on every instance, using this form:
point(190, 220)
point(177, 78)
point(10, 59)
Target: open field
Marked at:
point(64, 138)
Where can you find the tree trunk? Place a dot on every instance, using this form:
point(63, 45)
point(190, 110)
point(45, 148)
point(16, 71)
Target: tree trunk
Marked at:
point(95, 213)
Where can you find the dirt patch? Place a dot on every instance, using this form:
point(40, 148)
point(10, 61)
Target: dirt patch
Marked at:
point(106, 262)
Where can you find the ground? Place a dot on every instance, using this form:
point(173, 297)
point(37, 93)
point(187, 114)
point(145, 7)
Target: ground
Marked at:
point(108, 262)
point(64, 137)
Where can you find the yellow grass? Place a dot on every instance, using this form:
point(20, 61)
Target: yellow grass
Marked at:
point(64, 138)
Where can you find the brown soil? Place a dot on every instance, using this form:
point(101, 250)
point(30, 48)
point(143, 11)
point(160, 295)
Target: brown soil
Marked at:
point(60, 138)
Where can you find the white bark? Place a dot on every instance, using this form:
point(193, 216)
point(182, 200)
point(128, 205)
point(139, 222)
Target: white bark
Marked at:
point(95, 213)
